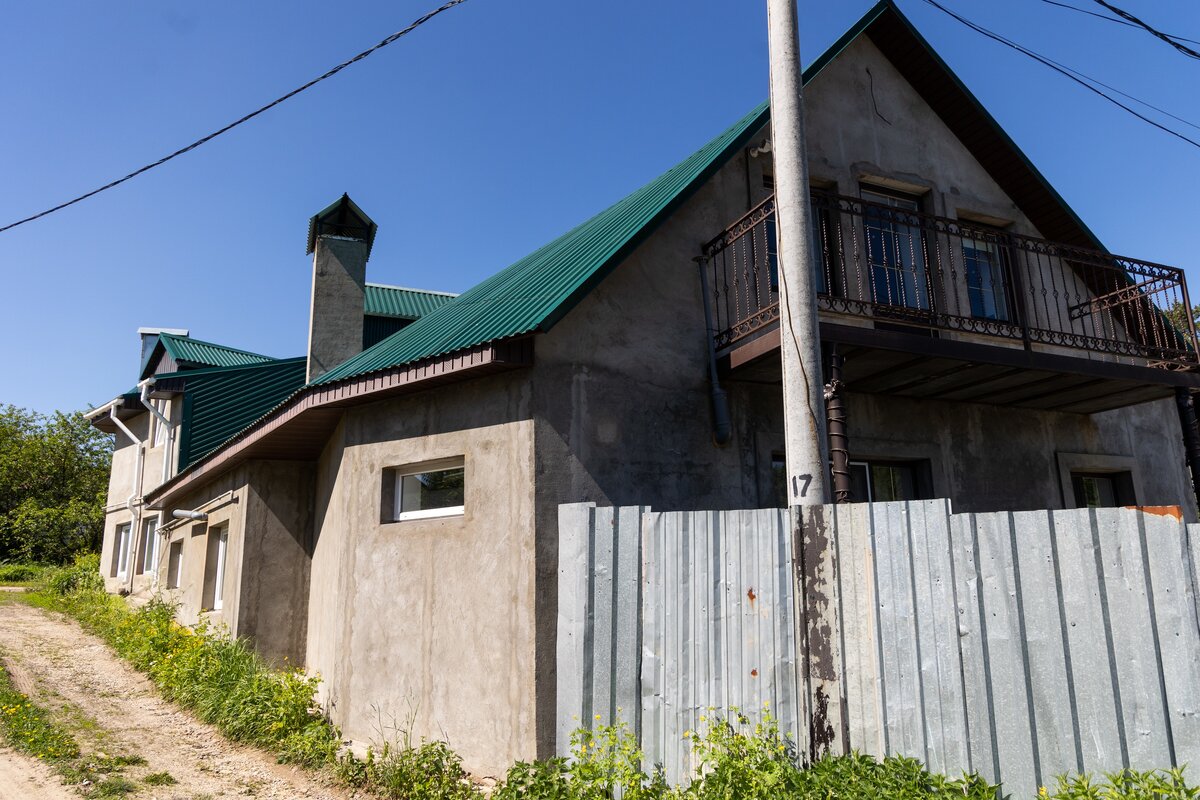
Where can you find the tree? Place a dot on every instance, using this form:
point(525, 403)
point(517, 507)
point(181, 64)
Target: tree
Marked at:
point(53, 484)
point(1177, 315)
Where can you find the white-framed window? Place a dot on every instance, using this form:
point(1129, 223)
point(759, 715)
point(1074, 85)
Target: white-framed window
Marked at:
point(147, 560)
point(219, 578)
point(121, 550)
point(214, 568)
point(427, 490)
point(175, 564)
point(160, 430)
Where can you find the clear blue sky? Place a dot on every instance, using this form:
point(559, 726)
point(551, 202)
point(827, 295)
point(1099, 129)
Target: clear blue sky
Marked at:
point(475, 140)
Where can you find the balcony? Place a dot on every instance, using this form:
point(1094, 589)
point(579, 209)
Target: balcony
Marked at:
point(964, 295)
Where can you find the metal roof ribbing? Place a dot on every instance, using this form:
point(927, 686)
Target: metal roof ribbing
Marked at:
point(397, 301)
point(185, 348)
point(220, 402)
point(536, 291)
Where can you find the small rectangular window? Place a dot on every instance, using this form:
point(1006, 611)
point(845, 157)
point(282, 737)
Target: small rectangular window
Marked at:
point(175, 565)
point(148, 553)
point(1103, 489)
point(423, 491)
point(121, 550)
point(214, 568)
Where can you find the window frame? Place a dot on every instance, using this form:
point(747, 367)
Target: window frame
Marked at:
point(394, 485)
point(147, 560)
point(175, 564)
point(1122, 469)
point(122, 550)
point(890, 224)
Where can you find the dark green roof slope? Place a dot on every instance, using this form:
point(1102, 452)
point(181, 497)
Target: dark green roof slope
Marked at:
point(186, 350)
point(220, 402)
point(396, 301)
point(535, 292)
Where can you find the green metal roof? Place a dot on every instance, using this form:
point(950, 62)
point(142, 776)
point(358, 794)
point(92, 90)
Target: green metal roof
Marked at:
point(207, 354)
point(220, 402)
point(397, 301)
point(534, 293)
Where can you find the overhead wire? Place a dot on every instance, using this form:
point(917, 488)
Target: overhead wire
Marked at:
point(1125, 15)
point(203, 140)
point(1107, 18)
point(1074, 75)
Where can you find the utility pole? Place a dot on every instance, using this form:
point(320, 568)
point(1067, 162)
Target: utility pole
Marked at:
point(799, 340)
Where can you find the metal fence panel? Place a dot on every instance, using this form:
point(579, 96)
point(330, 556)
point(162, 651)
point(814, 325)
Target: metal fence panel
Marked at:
point(1018, 645)
point(718, 626)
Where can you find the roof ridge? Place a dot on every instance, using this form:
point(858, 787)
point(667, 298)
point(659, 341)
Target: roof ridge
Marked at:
point(274, 362)
point(410, 289)
point(193, 340)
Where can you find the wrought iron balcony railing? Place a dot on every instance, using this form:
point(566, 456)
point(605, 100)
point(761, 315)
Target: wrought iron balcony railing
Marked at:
point(890, 263)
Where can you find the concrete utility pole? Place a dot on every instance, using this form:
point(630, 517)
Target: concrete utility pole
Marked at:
point(800, 345)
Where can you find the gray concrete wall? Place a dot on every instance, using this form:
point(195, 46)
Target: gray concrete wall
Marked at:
point(429, 624)
point(990, 458)
point(273, 582)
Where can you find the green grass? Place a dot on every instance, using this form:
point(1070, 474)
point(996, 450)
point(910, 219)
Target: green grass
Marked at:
point(221, 679)
point(225, 683)
point(116, 786)
point(31, 729)
point(20, 574)
point(159, 779)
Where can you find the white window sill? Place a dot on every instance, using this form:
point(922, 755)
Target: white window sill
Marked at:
point(430, 513)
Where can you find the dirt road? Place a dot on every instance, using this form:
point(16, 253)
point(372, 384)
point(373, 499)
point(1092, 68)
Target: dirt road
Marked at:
point(113, 709)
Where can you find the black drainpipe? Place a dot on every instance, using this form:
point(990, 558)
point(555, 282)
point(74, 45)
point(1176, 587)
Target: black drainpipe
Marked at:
point(1186, 404)
point(839, 440)
point(722, 426)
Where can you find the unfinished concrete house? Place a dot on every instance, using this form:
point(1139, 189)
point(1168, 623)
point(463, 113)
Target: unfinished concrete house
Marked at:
point(385, 509)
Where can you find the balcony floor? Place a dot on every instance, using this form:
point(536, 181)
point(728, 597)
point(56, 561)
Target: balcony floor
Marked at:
point(919, 365)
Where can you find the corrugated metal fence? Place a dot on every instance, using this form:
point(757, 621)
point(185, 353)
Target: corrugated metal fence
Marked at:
point(663, 617)
point(1019, 645)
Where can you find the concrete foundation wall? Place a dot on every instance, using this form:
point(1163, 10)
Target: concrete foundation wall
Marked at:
point(428, 624)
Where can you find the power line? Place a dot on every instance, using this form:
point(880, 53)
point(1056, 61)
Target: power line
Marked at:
point(1125, 15)
point(384, 43)
point(1107, 18)
point(1078, 77)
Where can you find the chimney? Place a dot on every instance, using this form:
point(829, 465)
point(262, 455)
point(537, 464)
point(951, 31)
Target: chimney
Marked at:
point(340, 239)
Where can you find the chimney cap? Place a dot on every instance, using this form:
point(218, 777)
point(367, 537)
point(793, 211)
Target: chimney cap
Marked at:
point(342, 218)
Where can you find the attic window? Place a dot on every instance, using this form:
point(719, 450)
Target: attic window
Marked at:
point(425, 491)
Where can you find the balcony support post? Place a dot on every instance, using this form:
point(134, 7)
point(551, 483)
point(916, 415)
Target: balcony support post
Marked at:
point(1186, 403)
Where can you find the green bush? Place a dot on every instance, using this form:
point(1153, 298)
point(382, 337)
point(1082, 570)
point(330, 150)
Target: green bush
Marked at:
point(425, 771)
point(1126, 784)
point(20, 572)
point(83, 574)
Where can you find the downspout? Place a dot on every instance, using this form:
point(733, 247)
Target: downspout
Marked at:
point(132, 504)
point(835, 409)
point(722, 426)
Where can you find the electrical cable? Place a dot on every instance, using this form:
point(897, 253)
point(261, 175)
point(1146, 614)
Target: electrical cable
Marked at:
point(1067, 72)
point(384, 43)
point(1125, 15)
point(1113, 19)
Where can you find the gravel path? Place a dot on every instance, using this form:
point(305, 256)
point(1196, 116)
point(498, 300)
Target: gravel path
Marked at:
point(115, 708)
